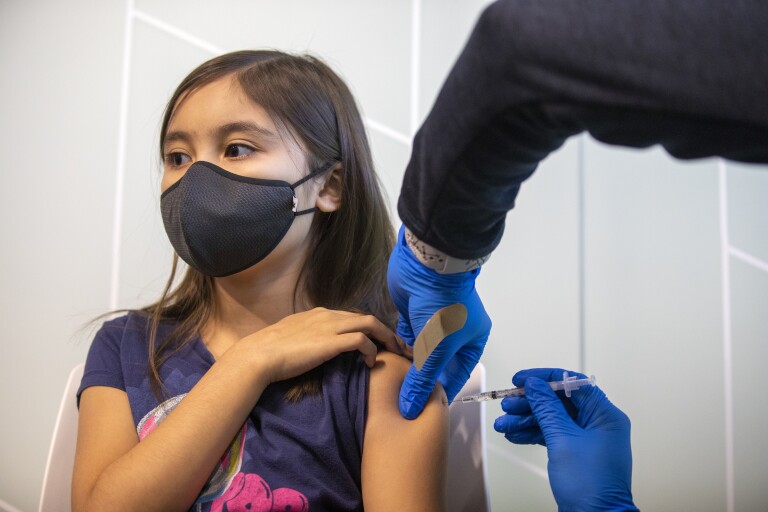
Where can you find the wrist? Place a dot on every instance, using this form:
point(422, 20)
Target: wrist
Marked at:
point(437, 260)
point(250, 364)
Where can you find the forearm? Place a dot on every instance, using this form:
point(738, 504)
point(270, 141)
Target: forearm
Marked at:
point(168, 469)
point(690, 77)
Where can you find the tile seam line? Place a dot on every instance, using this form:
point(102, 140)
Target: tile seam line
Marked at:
point(122, 130)
point(582, 254)
point(415, 65)
point(725, 251)
point(176, 32)
point(533, 468)
point(4, 505)
point(748, 258)
point(202, 44)
point(387, 131)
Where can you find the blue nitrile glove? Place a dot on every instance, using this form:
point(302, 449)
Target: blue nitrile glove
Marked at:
point(419, 291)
point(587, 440)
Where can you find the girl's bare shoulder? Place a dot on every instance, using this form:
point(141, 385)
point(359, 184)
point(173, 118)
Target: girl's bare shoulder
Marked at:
point(386, 378)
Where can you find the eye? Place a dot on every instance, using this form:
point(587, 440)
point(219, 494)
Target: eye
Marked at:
point(177, 159)
point(238, 151)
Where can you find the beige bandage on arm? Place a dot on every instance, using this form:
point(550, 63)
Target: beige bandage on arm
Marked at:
point(443, 323)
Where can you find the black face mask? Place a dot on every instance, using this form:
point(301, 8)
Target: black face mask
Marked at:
point(221, 223)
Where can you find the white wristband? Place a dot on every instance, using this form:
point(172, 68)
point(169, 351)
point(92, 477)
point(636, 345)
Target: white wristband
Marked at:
point(437, 260)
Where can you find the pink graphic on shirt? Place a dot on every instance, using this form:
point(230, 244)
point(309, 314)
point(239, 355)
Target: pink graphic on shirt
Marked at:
point(156, 416)
point(226, 470)
point(250, 492)
point(288, 499)
point(227, 488)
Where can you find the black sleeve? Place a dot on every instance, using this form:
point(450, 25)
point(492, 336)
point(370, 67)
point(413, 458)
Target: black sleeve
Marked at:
point(691, 76)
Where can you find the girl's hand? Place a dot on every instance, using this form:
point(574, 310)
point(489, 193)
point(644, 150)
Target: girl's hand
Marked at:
point(303, 341)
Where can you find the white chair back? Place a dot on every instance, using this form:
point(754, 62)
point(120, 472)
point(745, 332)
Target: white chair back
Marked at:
point(57, 482)
point(467, 482)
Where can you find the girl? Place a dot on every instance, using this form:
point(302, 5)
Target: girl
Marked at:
point(255, 384)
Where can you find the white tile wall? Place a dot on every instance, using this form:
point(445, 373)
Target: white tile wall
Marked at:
point(59, 92)
point(653, 324)
point(626, 264)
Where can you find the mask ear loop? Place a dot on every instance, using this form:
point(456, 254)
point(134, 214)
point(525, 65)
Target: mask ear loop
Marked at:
point(306, 178)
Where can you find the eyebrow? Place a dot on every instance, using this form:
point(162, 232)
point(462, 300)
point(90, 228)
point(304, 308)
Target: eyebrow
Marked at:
point(222, 131)
point(243, 126)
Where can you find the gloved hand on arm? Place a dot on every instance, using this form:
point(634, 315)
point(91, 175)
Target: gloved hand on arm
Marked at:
point(587, 440)
point(418, 292)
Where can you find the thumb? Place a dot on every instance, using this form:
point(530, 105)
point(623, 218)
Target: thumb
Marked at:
point(414, 393)
point(550, 413)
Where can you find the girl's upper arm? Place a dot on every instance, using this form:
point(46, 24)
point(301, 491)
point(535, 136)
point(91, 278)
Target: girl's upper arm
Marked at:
point(404, 461)
point(105, 433)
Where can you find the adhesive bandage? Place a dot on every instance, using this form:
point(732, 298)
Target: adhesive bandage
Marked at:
point(443, 323)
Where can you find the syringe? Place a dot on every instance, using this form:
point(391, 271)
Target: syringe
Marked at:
point(568, 384)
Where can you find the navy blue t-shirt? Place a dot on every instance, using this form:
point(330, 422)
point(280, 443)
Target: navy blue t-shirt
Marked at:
point(287, 456)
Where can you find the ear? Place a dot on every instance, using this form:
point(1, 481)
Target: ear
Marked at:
point(329, 198)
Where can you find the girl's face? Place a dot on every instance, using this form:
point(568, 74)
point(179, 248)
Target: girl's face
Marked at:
point(218, 123)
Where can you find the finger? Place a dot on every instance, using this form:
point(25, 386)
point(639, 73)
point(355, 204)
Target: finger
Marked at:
point(393, 343)
point(509, 423)
point(414, 393)
point(405, 349)
point(547, 407)
point(528, 436)
point(545, 374)
point(586, 399)
point(351, 321)
point(334, 312)
point(582, 399)
point(334, 315)
point(372, 327)
point(519, 405)
point(359, 341)
point(398, 346)
point(516, 405)
point(405, 331)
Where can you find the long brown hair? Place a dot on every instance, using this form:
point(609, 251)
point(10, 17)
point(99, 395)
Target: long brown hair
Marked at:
point(347, 260)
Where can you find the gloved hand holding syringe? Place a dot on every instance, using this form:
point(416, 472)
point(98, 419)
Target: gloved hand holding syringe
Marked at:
point(568, 384)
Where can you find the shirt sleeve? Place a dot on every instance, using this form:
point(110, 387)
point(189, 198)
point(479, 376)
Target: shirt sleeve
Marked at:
point(103, 366)
point(688, 76)
point(346, 381)
point(357, 395)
